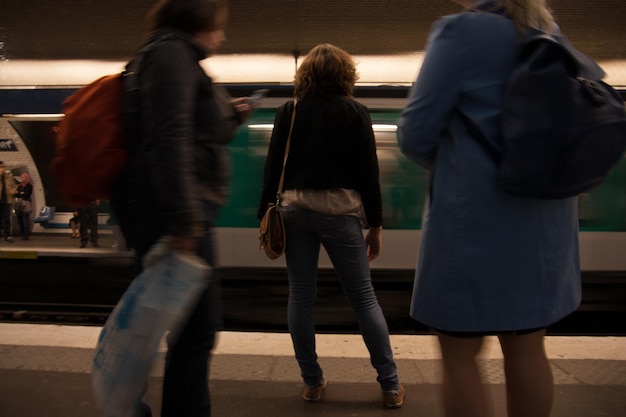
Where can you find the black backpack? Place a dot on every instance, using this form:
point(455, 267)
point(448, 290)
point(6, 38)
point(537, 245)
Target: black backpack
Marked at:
point(563, 129)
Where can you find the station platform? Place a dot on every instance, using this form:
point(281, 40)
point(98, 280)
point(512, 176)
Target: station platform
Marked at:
point(59, 244)
point(44, 372)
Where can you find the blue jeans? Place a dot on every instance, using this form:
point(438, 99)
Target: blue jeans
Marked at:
point(185, 382)
point(23, 220)
point(342, 237)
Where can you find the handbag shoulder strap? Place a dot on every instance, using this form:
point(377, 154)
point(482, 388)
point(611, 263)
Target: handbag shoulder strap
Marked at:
point(282, 174)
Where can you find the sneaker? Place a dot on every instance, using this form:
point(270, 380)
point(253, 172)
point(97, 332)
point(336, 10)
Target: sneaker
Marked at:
point(83, 245)
point(394, 399)
point(314, 393)
point(8, 239)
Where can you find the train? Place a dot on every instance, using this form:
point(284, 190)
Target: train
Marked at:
point(28, 115)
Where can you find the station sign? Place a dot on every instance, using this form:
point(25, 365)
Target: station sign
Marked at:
point(7, 145)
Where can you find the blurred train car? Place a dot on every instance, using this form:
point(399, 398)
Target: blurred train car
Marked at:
point(602, 210)
point(29, 114)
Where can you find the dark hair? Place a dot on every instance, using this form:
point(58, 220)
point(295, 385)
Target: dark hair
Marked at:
point(327, 70)
point(190, 16)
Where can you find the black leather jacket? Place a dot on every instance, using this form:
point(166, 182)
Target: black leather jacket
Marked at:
point(332, 146)
point(178, 125)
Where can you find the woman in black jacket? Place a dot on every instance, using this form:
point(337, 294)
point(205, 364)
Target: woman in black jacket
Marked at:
point(331, 176)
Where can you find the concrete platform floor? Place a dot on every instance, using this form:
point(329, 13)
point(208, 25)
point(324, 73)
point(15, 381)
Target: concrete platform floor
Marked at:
point(44, 372)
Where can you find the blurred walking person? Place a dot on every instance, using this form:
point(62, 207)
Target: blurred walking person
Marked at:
point(178, 173)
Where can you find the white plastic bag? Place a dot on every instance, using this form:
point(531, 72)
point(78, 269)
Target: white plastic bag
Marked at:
point(158, 299)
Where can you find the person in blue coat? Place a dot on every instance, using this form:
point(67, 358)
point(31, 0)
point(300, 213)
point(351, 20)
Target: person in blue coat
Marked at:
point(489, 263)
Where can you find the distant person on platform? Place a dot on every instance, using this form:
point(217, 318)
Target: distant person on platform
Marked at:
point(23, 205)
point(7, 195)
point(75, 224)
point(88, 219)
point(118, 236)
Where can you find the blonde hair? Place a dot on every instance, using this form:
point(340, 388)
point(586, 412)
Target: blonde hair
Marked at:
point(529, 14)
point(327, 70)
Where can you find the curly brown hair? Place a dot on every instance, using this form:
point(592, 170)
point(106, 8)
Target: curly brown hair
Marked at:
point(326, 71)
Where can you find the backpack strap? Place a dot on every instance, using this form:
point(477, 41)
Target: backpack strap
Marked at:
point(475, 132)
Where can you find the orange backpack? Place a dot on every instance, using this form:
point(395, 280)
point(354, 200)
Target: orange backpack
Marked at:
point(90, 151)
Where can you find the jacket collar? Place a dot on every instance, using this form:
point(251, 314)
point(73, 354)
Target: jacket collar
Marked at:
point(169, 32)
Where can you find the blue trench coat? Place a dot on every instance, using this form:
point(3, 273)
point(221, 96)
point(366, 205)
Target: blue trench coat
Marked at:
point(488, 261)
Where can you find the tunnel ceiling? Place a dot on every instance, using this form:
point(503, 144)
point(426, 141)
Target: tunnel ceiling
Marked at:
point(113, 29)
